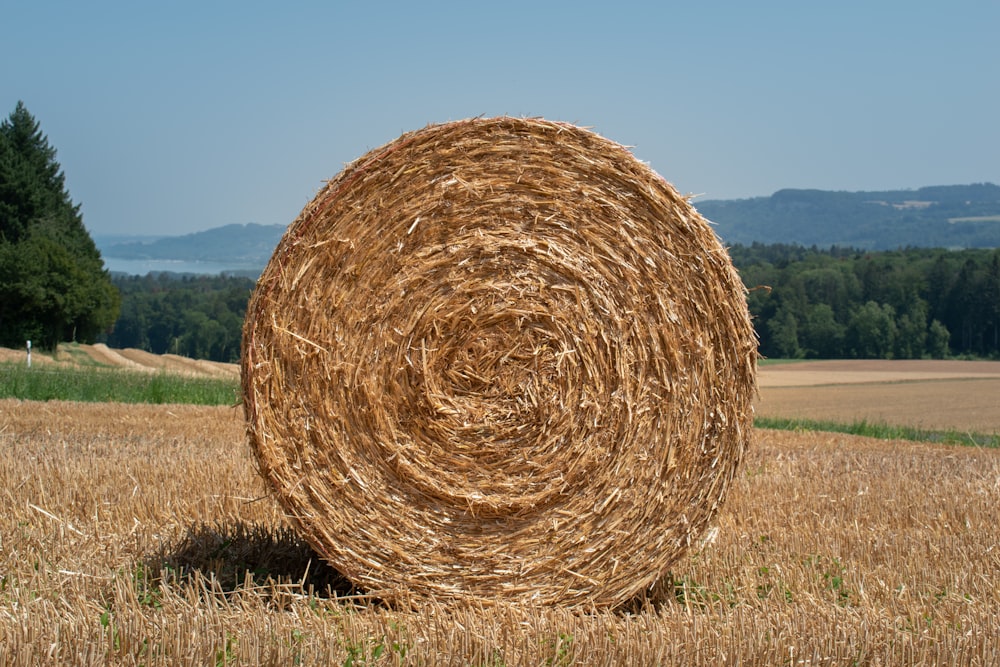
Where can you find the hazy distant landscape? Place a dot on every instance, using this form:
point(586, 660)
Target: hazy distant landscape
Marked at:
point(952, 216)
point(955, 216)
point(230, 248)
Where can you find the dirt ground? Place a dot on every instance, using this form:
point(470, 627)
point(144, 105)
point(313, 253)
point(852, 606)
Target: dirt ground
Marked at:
point(865, 371)
point(930, 394)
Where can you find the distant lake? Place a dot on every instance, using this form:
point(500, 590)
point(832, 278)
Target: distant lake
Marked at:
point(140, 267)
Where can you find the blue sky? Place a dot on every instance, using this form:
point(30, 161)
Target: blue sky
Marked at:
point(175, 117)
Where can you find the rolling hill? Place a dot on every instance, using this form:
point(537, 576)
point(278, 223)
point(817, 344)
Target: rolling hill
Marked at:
point(956, 216)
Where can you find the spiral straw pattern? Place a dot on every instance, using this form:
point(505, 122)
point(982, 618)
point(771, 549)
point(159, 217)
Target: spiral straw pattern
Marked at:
point(499, 359)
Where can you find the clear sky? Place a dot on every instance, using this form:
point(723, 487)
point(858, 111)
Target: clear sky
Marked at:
point(173, 117)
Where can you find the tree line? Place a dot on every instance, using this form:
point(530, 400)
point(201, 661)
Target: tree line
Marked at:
point(842, 303)
point(193, 316)
point(805, 302)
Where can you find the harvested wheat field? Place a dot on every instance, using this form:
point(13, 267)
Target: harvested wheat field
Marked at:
point(144, 535)
point(927, 394)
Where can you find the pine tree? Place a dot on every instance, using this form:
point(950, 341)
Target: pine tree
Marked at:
point(53, 284)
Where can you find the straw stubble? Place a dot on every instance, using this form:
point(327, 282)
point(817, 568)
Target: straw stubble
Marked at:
point(499, 359)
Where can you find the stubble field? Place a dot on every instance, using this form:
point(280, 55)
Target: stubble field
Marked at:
point(138, 534)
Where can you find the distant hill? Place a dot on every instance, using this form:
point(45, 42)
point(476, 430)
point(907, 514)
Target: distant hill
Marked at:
point(249, 244)
point(947, 216)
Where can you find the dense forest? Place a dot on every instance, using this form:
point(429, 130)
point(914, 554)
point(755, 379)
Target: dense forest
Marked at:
point(806, 302)
point(842, 303)
point(194, 316)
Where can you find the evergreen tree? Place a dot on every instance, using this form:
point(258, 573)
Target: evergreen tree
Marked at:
point(53, 284)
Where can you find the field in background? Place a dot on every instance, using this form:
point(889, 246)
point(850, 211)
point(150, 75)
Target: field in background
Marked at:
point(962, 396)
point(927, 394)
point(73, 355)
point(138, 534)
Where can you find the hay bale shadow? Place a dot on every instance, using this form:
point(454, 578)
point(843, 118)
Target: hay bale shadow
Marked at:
point(235, 555)
point(672, 591)
point(240, 557)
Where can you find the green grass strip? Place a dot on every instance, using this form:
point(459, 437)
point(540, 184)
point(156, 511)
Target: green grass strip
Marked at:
point(101, 384)
point(881, 431)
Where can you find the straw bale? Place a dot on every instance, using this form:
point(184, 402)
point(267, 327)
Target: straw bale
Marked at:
point(499, 359)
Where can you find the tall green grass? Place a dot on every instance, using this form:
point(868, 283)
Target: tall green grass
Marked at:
point(101, 384)
point(880, 430)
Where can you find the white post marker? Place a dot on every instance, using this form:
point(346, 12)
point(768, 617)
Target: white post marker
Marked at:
point(29, 354)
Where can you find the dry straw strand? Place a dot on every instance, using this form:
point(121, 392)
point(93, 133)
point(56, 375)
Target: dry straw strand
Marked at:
point(499, 359)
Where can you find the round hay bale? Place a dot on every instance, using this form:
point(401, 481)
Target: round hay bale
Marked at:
point(499, 358)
